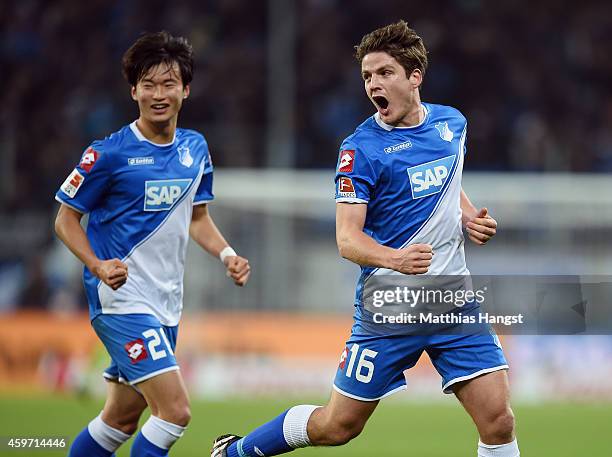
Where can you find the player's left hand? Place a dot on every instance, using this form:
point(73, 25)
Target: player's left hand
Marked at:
point(482, 227)
point(238, 269)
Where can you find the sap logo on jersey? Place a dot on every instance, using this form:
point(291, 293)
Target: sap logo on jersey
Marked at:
point(162, 195)
point(429, 178)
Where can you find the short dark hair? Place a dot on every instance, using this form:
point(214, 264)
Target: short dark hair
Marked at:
point(152, 49)
point(400, 42)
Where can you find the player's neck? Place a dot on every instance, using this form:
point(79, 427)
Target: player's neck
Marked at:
point(158, 133)
point(415, 116)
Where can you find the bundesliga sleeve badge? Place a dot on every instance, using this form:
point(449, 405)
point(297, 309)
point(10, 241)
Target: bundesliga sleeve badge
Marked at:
point(346, 188)
point(71, 186)
point(347, 159)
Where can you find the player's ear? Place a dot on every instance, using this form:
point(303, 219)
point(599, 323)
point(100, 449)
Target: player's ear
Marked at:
point(133, 92)
point(186, 91)
point(416, 78)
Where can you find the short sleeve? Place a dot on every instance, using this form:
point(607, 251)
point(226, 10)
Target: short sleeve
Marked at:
point(355, 176)
point(85, 186)
point(204, 194)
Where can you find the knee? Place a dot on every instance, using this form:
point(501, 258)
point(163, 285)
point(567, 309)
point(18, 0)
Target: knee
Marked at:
point(183, 416)
point(500, 429)
point(342, 431)
point(127, 423)
point(129, 428)
point(178, 415)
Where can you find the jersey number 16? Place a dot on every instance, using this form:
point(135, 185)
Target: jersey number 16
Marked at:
point(365, 367)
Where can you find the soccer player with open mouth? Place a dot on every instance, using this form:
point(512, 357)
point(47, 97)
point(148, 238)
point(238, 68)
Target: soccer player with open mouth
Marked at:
point(400, 213)
point(146, 189)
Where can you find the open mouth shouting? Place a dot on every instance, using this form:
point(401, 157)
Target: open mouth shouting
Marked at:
point(381, 103)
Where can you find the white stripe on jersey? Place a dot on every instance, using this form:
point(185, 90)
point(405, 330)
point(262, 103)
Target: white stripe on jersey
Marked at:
point(161, 255)
point(442, 229)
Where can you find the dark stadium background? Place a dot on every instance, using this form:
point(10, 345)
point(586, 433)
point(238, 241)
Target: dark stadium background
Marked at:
point(276, 90)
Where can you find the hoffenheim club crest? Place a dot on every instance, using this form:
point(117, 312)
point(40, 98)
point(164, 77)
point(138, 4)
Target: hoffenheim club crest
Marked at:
point(445, 133)
point(184, 156)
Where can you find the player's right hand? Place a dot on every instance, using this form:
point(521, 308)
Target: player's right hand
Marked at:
point(414, 259)
point(113, 273)
point(238, 269)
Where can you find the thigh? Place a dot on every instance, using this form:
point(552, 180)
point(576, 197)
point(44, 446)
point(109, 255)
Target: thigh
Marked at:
point(345, 409)
point(340, 414)
point(460, 358)
point(485, 397)
point(139, 346)
point(123, 406)
point(165, 392)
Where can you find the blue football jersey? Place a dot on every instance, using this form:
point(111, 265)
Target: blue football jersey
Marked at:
point(410, 178)
point(139, 196)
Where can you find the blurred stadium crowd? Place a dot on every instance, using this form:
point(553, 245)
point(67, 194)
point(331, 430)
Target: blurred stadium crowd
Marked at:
point(533, 80)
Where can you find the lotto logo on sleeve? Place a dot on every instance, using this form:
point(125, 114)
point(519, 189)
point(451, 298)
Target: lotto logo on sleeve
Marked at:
point(136, 350)
point(71, 186)
point(429, 178)
point(347, 158)
point(89, 159)
point(346, 188)
point(163, 194)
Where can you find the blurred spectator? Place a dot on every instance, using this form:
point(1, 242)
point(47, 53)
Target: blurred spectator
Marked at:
point(36, 292)
point(533, 82)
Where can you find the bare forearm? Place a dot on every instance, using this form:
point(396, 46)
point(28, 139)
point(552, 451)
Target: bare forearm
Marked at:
point(358, 247)
point(207, 235)
point(72, 234)
point(468, 210)
point(363, 250)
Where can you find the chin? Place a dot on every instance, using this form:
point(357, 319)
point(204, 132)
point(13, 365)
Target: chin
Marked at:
point(389, 119)
point(160, 118)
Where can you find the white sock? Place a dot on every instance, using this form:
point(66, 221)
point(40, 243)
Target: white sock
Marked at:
point(161, 433)
point(295, 424)
point(106, 436)
point(498, 450)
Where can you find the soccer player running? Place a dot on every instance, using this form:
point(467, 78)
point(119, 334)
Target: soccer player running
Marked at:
point(400, 210)
point(146, 188)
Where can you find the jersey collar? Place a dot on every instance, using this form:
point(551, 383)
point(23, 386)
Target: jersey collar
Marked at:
point(136, 131)
point(388, 127)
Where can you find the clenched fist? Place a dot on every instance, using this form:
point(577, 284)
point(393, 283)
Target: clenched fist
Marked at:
point(113, 273)
point(482, 227)
point(412, 260)
point(238, 269)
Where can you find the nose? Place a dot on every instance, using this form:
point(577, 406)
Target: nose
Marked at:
point(158, 94)
point(375, 82)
